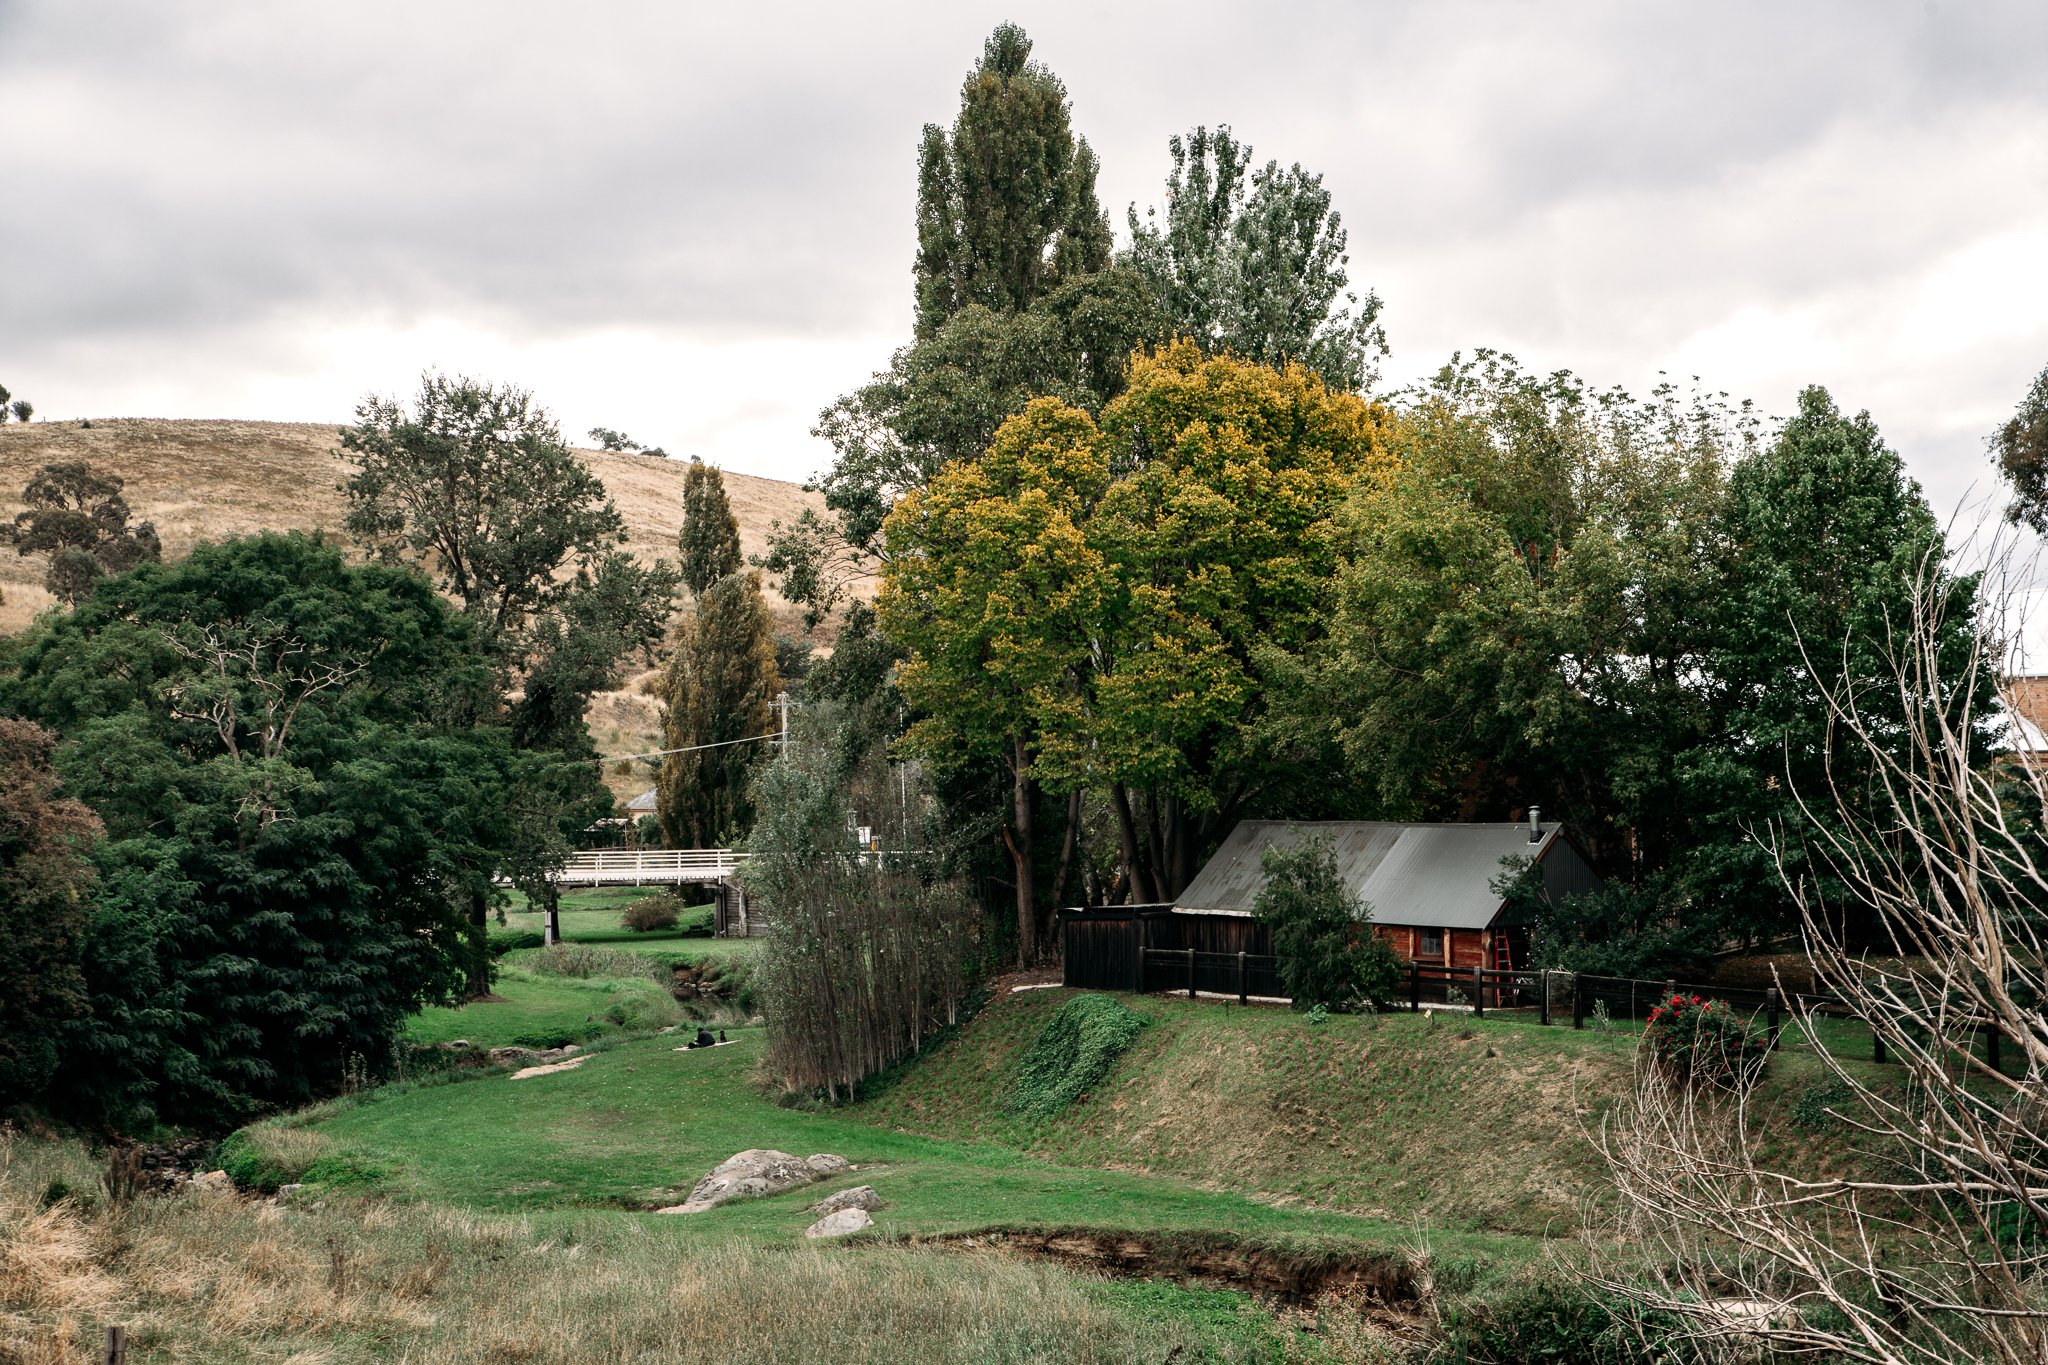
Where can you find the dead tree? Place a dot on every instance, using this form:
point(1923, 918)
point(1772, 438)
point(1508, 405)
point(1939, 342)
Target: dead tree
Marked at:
point(1934, 1249)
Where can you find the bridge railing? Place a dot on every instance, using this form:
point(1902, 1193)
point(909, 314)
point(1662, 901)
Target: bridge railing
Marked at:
point(651, 865)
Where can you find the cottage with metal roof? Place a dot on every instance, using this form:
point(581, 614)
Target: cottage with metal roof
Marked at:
point(1429, 889)
point(1429, 886)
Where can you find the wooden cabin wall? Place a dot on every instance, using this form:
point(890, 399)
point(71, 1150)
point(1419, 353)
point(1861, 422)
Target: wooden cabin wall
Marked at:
point(1100, 950)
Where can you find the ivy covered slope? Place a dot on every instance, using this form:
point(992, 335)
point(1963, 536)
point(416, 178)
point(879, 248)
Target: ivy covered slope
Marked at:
point(1482, 1124)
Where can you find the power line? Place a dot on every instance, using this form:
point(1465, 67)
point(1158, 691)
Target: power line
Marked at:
point(688, 748)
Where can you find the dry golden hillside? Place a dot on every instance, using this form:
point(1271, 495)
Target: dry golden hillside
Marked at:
point(200, 480)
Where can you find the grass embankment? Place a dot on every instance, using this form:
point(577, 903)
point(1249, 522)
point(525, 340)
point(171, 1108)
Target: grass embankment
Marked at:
point(1481, 1124)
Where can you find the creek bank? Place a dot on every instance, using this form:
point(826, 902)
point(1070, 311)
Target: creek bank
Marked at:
point(1291, 1276)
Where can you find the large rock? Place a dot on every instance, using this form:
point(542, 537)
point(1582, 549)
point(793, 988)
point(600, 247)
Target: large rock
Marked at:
point(826, 1163)
point(752, 1174)
point(840, 1223)
point(859, 1197)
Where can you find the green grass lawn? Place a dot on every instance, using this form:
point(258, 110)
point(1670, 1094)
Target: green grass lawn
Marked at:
point(592, 916)
point(639, 1123)
point(531, 1010)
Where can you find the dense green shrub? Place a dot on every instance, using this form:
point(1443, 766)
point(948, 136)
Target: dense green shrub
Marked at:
point(516, 940)
point(1705, 1042)
point(650, 914)
point(1329, 955)
point(582, 961)
point(1074, 1051)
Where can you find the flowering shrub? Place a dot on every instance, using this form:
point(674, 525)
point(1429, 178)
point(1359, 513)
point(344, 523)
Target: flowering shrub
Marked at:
point(1705, 1041)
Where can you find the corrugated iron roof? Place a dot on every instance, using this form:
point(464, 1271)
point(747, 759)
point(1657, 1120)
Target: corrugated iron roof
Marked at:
point(1432, 875)
point(646, 801)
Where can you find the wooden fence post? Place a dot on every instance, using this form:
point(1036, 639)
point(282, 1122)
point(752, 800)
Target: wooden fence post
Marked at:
point(116, 1352)
point(1242, 997)
point(1543, 994)
point(1191, 973)
point(1414, 986)
point(1771, 1014)
point(1991, 1041)
point(1578, 1002)
point(1478, 991)
point(1876, 1046)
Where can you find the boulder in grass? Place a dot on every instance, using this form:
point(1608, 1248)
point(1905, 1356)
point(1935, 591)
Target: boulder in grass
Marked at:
point(840, 1223)
point(826, 1163)
point(752, 1174)
point(859, 1197)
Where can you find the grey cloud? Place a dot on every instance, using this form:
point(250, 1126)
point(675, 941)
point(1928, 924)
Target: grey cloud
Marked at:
point(1590, 184)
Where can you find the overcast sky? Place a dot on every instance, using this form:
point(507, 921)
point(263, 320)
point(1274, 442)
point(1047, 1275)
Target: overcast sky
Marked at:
point(694, 222)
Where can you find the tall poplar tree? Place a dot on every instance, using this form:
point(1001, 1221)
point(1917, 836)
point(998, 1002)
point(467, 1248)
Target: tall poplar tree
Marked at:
point(721, 682)
point(1006, 205)
point(709, 543)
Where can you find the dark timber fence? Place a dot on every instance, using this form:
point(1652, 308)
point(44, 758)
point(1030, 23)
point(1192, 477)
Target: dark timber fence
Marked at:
point(1146, 949)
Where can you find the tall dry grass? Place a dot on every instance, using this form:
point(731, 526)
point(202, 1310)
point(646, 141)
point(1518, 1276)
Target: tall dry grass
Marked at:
point(221, 1278)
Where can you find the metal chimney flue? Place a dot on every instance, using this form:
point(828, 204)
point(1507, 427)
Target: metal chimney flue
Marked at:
point(1535, 825)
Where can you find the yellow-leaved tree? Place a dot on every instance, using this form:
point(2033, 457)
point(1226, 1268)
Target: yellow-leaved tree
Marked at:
point(1108, 604)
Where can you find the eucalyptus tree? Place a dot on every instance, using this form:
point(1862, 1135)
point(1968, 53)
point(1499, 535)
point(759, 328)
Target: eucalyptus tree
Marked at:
point(76, 515)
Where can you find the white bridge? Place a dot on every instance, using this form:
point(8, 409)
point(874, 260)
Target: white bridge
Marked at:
point(649, 867)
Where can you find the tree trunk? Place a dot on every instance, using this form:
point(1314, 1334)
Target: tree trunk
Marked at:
point(1023, 799)
point(1073, 834)
point(1127, 835)
point(479, 984)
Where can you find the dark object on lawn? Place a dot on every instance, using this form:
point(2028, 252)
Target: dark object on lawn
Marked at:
point(704, 1039)
point(721, 1035)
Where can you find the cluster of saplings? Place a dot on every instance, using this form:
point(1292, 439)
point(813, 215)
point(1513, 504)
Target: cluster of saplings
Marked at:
point(254, 804)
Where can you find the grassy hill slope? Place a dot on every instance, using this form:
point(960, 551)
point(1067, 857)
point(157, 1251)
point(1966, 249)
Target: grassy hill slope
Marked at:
point(201, 480)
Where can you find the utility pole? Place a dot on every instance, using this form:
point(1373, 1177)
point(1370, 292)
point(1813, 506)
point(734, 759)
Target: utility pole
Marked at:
point(782, 705)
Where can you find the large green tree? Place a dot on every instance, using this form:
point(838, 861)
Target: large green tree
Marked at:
point(1255, 265)
point(1006, 205)
point(1103, 604)
point(298, 812)
point(995, 590)
point(474, 485)
point(1522, 612)
point(1826, 536)
point(1016, 299)
point(46, 886)
point(2020, 445)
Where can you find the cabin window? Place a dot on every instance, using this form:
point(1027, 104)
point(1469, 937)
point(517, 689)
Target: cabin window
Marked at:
point(1432, 943)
